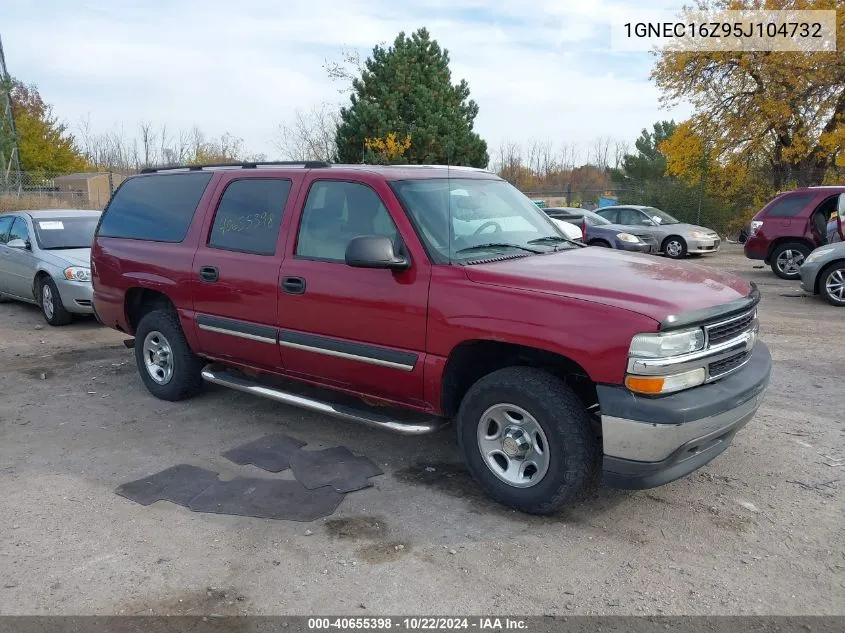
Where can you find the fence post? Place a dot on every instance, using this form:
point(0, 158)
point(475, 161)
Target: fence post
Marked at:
point(111, 184)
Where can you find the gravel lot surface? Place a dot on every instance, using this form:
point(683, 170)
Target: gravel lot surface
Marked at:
point(757, 531)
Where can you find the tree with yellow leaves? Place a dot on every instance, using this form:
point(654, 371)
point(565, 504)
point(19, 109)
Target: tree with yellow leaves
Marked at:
point(388, 149)
point(786, 108)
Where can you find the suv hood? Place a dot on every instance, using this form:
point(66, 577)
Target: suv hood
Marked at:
point(640, 283)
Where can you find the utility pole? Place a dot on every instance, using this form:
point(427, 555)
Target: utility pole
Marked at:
point(10, 166)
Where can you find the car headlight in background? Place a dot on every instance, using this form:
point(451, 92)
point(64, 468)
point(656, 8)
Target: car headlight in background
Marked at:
point(77, 273)
point(665, 345)
point(816, 254)
point(627, 237)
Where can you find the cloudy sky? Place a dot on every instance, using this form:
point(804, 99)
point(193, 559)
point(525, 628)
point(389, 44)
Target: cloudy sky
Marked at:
point(538, 69)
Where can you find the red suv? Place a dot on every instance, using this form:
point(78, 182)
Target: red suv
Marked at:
point(404, 297)
point(790, 226)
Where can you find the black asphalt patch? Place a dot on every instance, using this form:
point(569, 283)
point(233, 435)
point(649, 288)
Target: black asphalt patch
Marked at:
point(267, 499)
point(271, 453)
point(177, 484)
point(336, 467)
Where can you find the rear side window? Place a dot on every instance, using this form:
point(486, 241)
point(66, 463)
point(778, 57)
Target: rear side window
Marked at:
point(610, 214)
point(249, 216)
point(155, 208)
point(5, 225)
point(790, 205)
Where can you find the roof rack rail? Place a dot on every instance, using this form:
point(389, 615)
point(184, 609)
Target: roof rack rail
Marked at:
point(307, 164)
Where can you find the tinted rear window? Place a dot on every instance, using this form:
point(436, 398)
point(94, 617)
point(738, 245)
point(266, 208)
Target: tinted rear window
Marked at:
point(156, 208)
point(790, 205)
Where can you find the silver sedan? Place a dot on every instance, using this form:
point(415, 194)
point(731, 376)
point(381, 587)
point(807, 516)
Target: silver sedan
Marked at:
point(823, 272)
point(45, 259)
point(676, 239)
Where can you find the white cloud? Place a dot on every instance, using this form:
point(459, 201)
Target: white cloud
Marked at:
point(245, 67)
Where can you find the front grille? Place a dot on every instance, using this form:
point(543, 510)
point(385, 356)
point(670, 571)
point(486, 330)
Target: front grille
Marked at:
point(727, 364)
point(727, 330)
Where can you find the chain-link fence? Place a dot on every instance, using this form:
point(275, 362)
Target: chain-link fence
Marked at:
point(83, 190)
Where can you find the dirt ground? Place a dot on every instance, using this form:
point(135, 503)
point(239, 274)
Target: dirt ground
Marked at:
point(757, 531)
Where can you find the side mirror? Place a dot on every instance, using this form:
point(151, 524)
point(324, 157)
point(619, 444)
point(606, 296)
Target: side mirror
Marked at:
point(18, 243)
point(646, 222)
point(374, 251)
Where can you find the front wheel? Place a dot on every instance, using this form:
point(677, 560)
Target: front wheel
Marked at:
point(168, 367)
point(528, 441)
point(51, 303)
point(674, 247)
point(787, 259)
point(832, 285)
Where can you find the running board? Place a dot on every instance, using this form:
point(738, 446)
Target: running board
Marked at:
point(303, 396)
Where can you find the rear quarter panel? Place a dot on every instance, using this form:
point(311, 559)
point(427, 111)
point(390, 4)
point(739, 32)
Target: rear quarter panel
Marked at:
point(119, 265)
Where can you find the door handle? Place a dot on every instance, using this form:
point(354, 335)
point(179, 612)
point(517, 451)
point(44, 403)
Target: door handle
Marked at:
point(208, 273)
point(293, 285)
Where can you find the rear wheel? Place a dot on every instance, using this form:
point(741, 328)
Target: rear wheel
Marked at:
point(786, 260)
point(528, 441)
point(832, 284)
point(674, 247)
point(168, 367)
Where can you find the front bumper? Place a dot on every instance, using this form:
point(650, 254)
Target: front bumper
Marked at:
point(702, 246)
point(756, 247)
point(809, 274)
point(77, 296)
point(636, 247)
point(649, 442)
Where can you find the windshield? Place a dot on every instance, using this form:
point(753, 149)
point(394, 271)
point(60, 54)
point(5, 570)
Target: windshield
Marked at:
point(488, 217)
point(58, 233)
point(594, 219)
point(661, 217)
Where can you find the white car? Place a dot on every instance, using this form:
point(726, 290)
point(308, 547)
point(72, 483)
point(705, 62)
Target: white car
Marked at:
point(569, 230)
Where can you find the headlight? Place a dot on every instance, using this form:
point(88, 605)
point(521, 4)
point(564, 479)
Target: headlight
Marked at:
point(817, 253)
point(655, 385)
point(664, 345)
point(755, 226)
point(699, 234)
point(77, 273)
point(627, 237)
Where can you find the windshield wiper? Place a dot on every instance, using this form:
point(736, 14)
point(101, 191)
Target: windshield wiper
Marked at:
point(550, 238)
point(481, 247)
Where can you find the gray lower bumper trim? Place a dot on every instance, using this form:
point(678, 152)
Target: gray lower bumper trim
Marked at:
point(644, 442)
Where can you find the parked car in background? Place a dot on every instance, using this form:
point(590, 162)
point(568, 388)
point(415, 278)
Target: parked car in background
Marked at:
point(569, 230)
point(823, 273)
point(403, 298)
point(791, 225)
point(45, 259)
point(598, 231)
point(676, 239)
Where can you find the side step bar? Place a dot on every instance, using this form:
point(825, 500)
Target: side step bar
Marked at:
point(421, 425)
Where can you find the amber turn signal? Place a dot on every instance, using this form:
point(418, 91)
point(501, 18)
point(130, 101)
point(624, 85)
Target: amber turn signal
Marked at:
point(645, 384)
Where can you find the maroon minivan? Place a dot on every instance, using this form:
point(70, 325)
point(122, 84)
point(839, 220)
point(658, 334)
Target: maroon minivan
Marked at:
point(790, 226)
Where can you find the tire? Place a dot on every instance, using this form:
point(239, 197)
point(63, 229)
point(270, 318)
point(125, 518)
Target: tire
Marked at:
point(572, 450)
point(832, 284)
point(674, 247)
point(601, 243)
point(50, 302)
point(177, 370)
point(787, 258)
